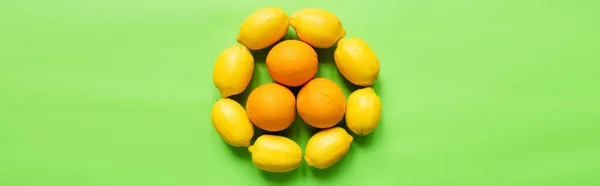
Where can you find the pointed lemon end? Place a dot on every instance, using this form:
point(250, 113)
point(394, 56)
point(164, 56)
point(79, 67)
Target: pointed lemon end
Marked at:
point(226, 94)
point(292, 18)
point(369, 89)
point(361, 132)
point(246, 143)
point(342, 33)
point(340, 42)
point(239, 38)
point(309, 161)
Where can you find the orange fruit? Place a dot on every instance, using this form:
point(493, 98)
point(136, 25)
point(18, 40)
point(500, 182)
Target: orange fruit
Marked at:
point(292, 63)
point(321, 103)
point(271, 107)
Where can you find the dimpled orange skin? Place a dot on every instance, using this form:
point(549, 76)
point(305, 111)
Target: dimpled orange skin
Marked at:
point(321, 103)
point(271, 107)
point(292, 63)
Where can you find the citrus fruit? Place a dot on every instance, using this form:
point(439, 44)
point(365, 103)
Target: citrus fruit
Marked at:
point(317, 27)
point(263, 28)
point(363, 111)
point(233, 70)
point(356, 61)
point(327, 147)
point(271, 107)
point(292, 63)
point(231, 122)
point(275, 153)
point(321, 103)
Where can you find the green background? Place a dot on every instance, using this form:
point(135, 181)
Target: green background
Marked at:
point(475, 92)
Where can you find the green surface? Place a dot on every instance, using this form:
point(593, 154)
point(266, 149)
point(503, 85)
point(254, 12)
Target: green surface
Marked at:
point(118, 93)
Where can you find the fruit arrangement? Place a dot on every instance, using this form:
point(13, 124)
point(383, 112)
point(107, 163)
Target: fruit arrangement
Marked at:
point(320, 103)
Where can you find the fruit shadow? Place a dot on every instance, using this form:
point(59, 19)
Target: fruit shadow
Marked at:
point(241, 98)
point(325, 55)
point(260, 56)
point(327, 67)
point(240, 152)
point(290, 35)
point(364, 141)
point(281, 177)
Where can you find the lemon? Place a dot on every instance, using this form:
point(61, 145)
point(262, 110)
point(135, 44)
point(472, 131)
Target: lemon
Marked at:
point(231, 122)
point(356, 61)
point(275, 153)
point(233, 70)
point(363, 111)
point(327, 147)
point(317, 27)
point(263, 28)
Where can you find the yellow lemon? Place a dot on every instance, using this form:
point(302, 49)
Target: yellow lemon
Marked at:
point(317, 27)
point(275, 153)
point(327, 147)
point(231, 122)
point(363, 111)
point(233, 70)
point(356, 61)
point(263, 28)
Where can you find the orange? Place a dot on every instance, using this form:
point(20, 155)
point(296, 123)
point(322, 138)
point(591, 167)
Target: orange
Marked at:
point(321, 103)
point(292, 63)
point(271, 107)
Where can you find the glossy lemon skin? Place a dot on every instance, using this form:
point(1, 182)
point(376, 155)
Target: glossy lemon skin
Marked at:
point(363, 111)
point(356, 61)
point(319, 28)
point(327, 147)
point(231, 122)
point(263, 28)
point(274, 153)
point(233, 70)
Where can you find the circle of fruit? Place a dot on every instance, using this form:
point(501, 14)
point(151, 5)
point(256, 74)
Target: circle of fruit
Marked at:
point(294, 63)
